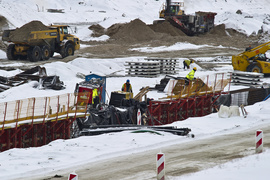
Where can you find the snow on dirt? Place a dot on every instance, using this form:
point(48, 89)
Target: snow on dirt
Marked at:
point(248, 17)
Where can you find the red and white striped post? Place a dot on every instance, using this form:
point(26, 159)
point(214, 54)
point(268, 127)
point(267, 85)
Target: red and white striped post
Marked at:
point(73, 176)
point(139, 117)
point(160, 166)
point(259, 141)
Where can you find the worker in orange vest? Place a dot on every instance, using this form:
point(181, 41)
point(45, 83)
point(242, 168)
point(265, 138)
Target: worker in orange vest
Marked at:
point(127, 87)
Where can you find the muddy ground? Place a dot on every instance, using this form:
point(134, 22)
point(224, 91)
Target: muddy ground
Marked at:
point(137, 34)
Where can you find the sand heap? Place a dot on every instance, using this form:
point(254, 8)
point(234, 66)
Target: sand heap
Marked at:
point(3, 23)
point(97, 29)
point(218, 30)
point(166, 27)
point(21, 34)
point(136, 30)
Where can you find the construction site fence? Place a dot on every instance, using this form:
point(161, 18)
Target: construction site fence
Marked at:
point(183, 101)
point(42, 109)
point(247, 96)
point(37, 121)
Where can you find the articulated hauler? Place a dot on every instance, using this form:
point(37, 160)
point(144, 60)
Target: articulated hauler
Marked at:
point(41, 44)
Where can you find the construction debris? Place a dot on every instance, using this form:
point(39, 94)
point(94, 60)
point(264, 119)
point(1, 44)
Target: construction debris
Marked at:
point(135, 129)
point(34, 74)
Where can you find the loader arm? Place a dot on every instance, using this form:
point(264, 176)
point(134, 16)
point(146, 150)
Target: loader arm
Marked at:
point(242, 61)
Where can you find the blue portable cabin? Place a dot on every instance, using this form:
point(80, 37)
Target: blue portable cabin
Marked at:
point(102, 83)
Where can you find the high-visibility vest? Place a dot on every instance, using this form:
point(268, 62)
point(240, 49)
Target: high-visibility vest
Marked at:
point(190, 75)
point(94, 94)
point(188, 62)
point(127, 87)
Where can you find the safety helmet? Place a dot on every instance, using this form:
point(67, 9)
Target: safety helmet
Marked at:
point(127, 80)
point(195, 69)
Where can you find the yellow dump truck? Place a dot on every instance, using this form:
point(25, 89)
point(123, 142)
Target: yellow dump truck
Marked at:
point(39, 44)
point(253, 60)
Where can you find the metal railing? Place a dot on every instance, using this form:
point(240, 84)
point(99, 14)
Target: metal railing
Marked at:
point(42, 109)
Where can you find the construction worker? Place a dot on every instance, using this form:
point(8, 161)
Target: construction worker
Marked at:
point(248, 48)
point(190, 76)
point(95, 97)
point(127, 87)
point(187, 63)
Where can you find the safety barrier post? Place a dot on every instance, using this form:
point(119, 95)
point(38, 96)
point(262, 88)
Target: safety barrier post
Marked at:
point(32, 125)
point(18, 110)
point(259, 141)
point(4, 120)
point(160, 166)
point(45, 109)
point(139, 117)
point(73, 176)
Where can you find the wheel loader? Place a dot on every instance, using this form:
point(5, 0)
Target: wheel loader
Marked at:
point(253, 60)
point(40, 44)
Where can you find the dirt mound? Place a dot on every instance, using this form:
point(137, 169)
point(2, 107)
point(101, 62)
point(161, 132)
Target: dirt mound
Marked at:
point(218, 30)
point(136, 31)
point(166, 27)
point(113, 29)
point(3, 23)
point(97, 29)
point(21, 34)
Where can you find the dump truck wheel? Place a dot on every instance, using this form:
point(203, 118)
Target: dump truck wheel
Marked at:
point(256, 69)
point(34, 54)
point(63, 52)
point(11, 52)
point(67, 51)
point(45, 53)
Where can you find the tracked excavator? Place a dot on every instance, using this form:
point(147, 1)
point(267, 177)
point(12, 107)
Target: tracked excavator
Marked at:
point(191, 25)
point(253, 60)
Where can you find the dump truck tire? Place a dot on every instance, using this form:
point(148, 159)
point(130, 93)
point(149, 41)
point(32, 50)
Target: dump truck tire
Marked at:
point(45, 53)
point(34, 54)
point(11, 52)
point(68, 50)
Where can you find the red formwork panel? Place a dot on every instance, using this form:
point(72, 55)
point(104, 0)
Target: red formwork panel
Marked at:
point(35, 135)
point(166, 112)
point(40, 126)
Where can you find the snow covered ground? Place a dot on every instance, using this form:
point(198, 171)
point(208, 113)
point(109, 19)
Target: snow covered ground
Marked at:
point(20, 163)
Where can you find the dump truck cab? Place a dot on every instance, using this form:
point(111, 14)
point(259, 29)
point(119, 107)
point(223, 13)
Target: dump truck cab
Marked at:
point(66, 43)
point(64, 34)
